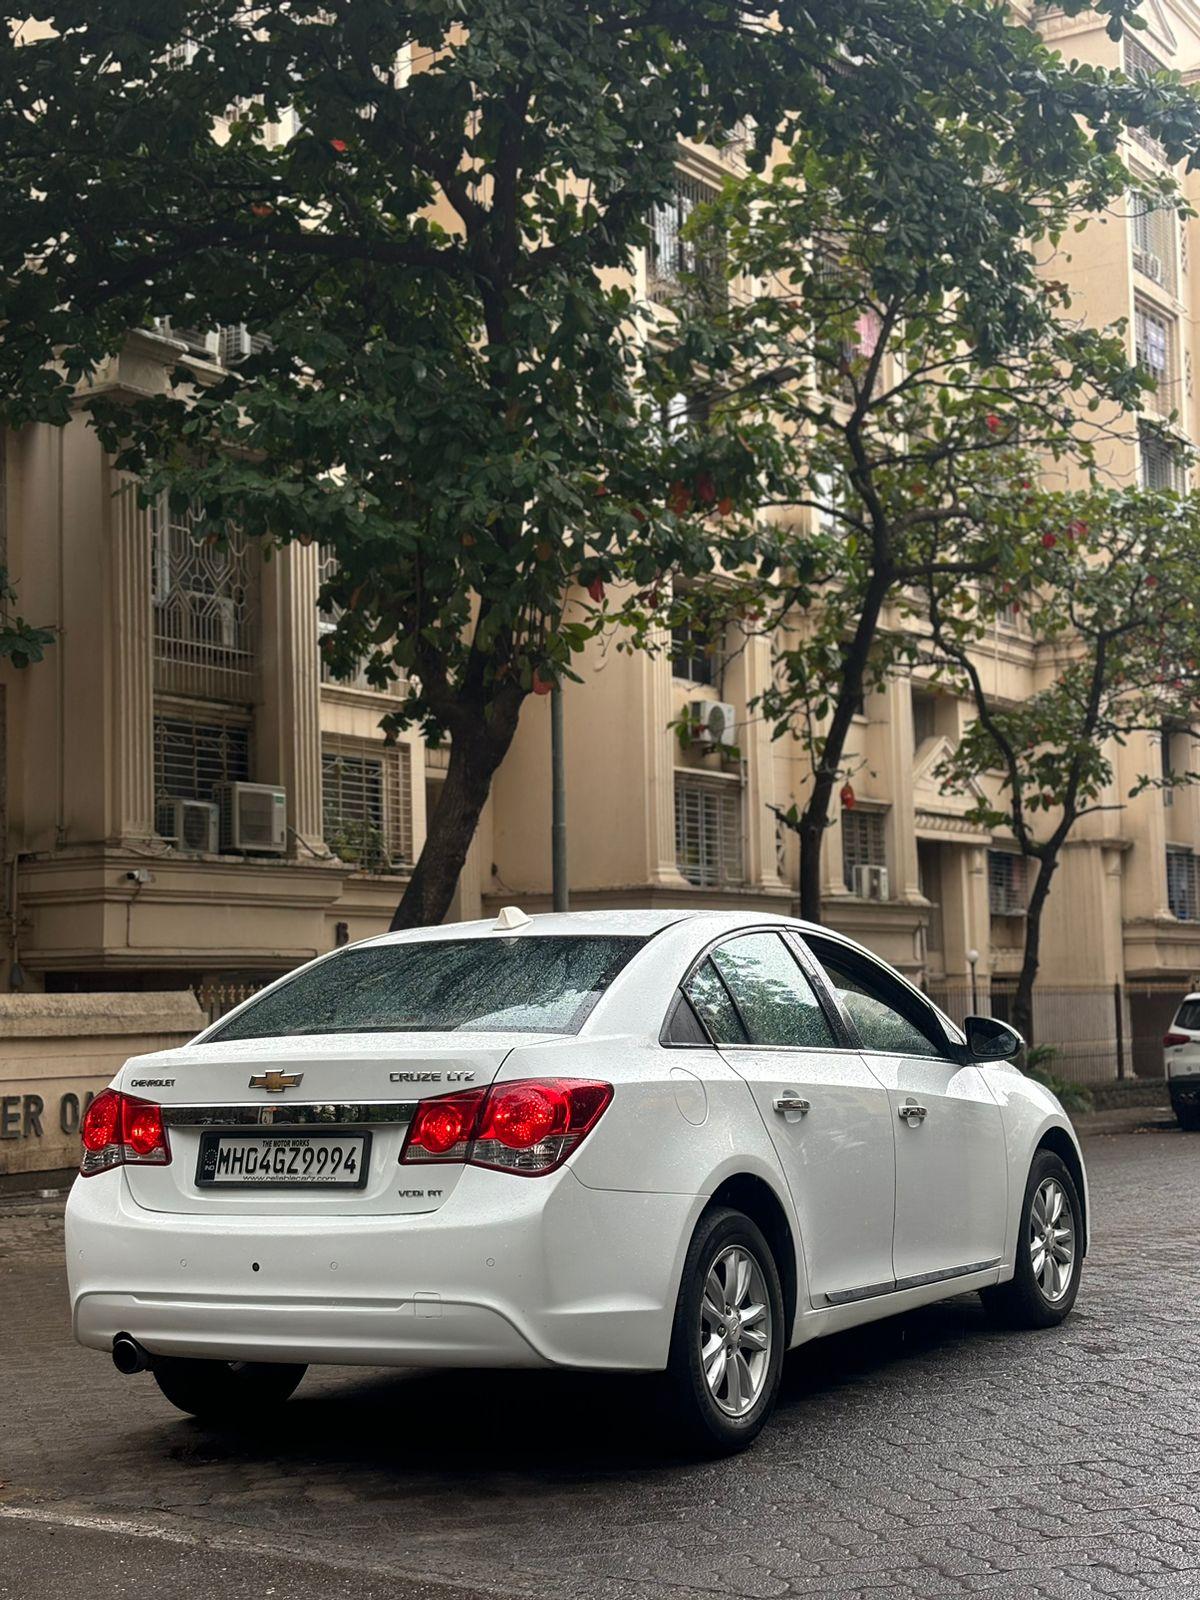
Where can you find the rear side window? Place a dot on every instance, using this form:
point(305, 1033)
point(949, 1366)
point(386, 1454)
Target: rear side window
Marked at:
point(528, 984)
point(774, 999)
point(753, 991)
point(1189, 1016)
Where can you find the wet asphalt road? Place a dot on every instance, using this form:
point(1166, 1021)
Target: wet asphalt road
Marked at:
point(926, 1456)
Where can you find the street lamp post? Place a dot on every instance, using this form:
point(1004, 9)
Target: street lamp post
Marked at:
point(972, 962)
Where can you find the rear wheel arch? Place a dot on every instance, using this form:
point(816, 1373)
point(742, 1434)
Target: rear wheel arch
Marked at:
point(1060, 1142)
point(756, 1199)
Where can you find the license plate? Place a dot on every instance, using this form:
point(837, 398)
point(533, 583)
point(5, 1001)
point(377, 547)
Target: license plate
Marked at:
point(284, 1160)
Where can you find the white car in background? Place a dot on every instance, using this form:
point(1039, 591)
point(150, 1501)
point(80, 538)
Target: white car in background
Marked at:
point(1181, 1063)
point(645, 1141)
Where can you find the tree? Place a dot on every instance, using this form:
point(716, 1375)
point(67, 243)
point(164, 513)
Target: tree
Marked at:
point(448, 396)
point(896, 325)
point(21, 643)
point(1111, 612)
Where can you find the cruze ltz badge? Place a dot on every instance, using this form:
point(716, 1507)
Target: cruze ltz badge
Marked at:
point(275, 1082)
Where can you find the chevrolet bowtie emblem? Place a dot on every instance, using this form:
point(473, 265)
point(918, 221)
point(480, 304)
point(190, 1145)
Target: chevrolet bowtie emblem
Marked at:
point(275, 1082)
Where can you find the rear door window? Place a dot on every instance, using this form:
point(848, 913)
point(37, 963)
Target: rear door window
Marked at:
point(526, 984)
point(773, 998)
point(711, 1002)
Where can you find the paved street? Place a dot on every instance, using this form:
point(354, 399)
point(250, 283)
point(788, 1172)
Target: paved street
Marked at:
point(928, 1456)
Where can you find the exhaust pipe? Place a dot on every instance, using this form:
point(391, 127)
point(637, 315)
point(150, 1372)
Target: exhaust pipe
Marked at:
point(129, 1356)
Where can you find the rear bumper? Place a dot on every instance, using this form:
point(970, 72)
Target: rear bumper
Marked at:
point(509, 1272)
point(1185, 1092)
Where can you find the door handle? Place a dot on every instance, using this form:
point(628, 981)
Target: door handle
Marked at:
point(912, 1112)
point(789, 1100)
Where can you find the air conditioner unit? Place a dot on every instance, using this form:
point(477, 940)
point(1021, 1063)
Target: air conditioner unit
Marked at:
point(235, 343)
point(1150, 266)
point(253, 818)
point(189, 824)
point(712, 723)
point(871, 883)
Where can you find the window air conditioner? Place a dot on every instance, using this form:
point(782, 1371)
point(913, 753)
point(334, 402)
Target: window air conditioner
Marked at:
point(253, 818)
point(871, 883)
point(189, 824)
point(212, 618)
point(712, 723)
point(1150, 266)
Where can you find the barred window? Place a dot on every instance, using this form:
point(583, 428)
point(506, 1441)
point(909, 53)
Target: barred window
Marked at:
point(864, 842)
point(1139, 60)
point(692, 653)
point(366, 801)
point(1155, 340)
point(206, 588)
point(1006, 883)
point(194, 751)
point(708, 831)
point(1183, 883)
point(672, 259)
point(1154, 230)
point(1159, 463)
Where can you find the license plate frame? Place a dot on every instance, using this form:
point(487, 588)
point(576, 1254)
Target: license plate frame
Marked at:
point(211, 1139)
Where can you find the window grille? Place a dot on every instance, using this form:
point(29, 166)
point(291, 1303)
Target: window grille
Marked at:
point(1154, 230)
point(1154, 335)
point(864, 842)
point(1183, 883)
point(708, 832)
point(692, 653)
point(196, 750)
point(366, 803)
point(671, 259)
point(1006, 884)
point(1140, 60)
point(206, 603)
point(1159, 464)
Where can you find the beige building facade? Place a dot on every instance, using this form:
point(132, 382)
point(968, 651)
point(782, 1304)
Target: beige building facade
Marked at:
point(189, 803)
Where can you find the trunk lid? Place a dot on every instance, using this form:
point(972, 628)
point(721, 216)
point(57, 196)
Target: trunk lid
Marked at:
point(341, 1087)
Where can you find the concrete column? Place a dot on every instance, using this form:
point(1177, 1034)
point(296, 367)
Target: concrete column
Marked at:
point(288, 728)
point(751, 677)
point(131, 796)
point(902, 815)
point(660, 742)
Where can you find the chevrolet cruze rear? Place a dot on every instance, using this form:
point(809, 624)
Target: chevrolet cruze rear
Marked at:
point(621, 1140)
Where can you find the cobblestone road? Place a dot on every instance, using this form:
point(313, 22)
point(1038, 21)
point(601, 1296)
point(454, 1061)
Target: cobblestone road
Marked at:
point(928, 1456)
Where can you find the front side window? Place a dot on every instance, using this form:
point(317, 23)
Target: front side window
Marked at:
point(775, 1000)
point(888, 1016)
point(525, 984)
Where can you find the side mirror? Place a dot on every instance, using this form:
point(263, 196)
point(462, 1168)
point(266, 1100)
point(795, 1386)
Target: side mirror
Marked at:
point(991, 1040)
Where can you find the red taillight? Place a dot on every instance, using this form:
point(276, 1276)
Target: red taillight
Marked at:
point(1170, 1039)
point(119, 1129)
point(529, 1127)
point(441, 1128)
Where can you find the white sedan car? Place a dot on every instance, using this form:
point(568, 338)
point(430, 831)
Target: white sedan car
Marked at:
point(646, 1141)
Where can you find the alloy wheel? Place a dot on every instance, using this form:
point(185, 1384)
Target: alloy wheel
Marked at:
point(736, 1331)
point(1052, 1239)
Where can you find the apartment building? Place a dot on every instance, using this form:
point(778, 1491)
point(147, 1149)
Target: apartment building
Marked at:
point(189, 801)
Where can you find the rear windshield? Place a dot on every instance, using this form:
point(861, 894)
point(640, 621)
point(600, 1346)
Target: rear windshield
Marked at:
point(1189, 1015)
point(540, 984)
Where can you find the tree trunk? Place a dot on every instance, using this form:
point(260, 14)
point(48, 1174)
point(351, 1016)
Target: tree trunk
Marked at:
point(814, 818)
point(477, 748)
point(1022, 1017)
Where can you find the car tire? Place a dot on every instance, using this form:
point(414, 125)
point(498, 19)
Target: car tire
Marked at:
point(1050, 1241)
point(723, 1375)
point(225, 1391)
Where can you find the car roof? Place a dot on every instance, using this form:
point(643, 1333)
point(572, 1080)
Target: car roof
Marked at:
point(615, 921)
